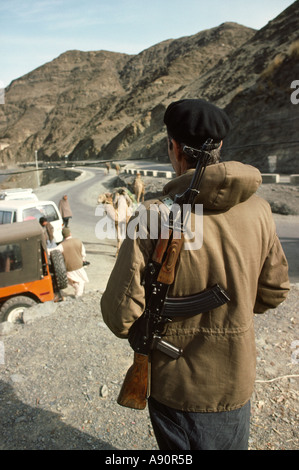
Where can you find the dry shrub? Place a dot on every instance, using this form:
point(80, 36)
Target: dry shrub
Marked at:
point(294, 49)
point(273, 66)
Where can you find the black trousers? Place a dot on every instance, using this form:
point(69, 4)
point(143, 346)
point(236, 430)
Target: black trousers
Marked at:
point(66, 221)
point(180, 430)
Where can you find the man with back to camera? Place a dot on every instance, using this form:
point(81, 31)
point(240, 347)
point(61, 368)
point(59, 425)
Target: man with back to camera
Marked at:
point(65, 210)
point(201, 401)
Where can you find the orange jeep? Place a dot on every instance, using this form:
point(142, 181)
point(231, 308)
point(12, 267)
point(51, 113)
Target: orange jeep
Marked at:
point(27, 274)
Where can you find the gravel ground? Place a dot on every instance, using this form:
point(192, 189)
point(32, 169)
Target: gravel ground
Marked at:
point(61, 372)
point(283, 198)
point(56, 370)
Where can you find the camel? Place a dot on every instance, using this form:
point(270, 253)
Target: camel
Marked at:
point(117, 167)
point(118, 209)
point(139, 188)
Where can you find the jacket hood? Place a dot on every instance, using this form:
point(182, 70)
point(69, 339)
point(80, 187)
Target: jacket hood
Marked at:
point(223, 185)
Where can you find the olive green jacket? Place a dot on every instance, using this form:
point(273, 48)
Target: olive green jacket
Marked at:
point(241, 252)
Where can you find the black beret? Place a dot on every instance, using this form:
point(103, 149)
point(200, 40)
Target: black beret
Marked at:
point(192, 122)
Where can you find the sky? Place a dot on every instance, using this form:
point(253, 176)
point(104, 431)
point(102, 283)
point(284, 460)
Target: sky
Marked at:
point(33, 32)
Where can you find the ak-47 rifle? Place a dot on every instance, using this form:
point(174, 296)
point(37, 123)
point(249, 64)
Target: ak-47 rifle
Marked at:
point(146, 332)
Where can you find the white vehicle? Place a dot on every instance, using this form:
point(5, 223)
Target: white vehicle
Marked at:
point(18, 194)
point(21, 210)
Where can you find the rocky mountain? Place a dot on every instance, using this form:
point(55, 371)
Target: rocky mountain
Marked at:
point(107, 105)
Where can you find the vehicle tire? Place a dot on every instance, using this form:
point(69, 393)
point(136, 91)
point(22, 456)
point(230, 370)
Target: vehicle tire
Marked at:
point(12, 310)
point(59, 269)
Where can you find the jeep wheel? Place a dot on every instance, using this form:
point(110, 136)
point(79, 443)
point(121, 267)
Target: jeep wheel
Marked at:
point(12, 310)
point(59, 269)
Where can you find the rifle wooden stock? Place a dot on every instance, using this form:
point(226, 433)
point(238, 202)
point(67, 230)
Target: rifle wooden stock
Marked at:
point(134, 389)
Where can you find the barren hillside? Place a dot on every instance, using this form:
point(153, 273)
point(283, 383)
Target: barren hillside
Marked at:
point(110, 106)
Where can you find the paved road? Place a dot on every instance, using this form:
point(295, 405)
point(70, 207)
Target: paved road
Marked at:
point(83, 194)
point(288, 232)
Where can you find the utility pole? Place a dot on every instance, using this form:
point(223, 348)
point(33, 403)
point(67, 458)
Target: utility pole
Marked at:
point(36, 165)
